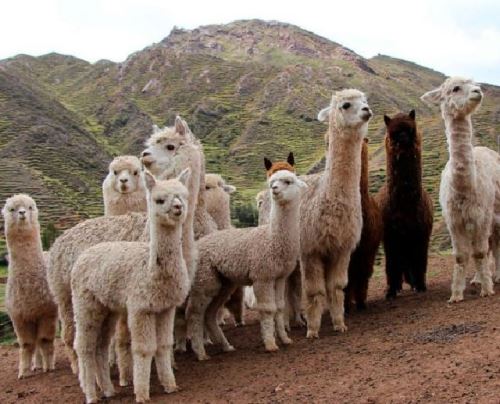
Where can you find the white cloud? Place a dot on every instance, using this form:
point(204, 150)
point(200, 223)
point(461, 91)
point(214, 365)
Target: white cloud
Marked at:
point(452, 36)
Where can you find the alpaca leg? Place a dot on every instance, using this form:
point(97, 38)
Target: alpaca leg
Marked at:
point(336, 281)
point(89, 316)
point(180, 332)
point(66, 317)
point(280, 310)
point(420, 267)
point(236, 306)
point(45, 341)
point(294, 297)
point(266, 305)
point(361, 292)
point(314, 288)
point(102, 355)
point(37, 362)
point(461, 252)
point(226, 290)
point(26, 337)
point(495, 247)
point(394, 273)
point(197, 306)
point(480, 255)
point(123, 351)
point(143, 334)
point(164, 348)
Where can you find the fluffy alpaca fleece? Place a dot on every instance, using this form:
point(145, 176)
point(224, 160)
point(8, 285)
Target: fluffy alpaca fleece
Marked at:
point(407, 208)
point(261, 256)
point(470, 187)
point(131, 227)
point(363, 257)
point(145, 280)
point(217, 199)
point(27, 299)
point(330, 213)
point(122, 189)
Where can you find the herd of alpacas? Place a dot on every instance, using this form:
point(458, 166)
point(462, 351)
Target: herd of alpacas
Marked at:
point(164, 265)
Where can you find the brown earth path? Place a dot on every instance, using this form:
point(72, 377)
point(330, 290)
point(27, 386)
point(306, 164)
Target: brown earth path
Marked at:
point(416, 349)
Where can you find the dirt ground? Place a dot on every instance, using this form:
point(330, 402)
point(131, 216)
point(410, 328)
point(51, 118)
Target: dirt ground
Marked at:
point(416, 349)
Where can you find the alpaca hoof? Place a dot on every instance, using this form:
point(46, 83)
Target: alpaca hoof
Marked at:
point(141, 398)
point(21, 376)
point(312, 334)
point(228, 348)
point(203, 357)
point(109, 393)
point(300, 322)
point(340, 328)
point(475, 282)
point(272, 347)
point(123, 383)
point(287, 341)
point(455, 299)
point(486, 293)
point(36, 368)
point(171, 389)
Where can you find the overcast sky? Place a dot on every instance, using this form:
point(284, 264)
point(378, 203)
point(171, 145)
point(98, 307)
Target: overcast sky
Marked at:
point(456, 37)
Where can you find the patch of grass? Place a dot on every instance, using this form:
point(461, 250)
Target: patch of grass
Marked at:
point(3, 271)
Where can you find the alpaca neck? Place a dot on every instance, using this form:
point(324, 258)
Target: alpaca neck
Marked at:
point(165, 246)
point(363, 182)
point(343, 164)
point(24, 245)
point(404, 175)
point(284, 221)
point(459, 136)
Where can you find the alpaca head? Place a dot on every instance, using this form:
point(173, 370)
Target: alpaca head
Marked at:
point(164, 144)
point(285, 187)
point(457, 96)
point(124, 175)
point(271, 167)
point(20, 214)
point(215, 182)
point(348, 110)
point(402, 131)
point(168, 199)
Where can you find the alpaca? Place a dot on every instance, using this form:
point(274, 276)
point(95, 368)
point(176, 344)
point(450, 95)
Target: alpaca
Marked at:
point(145, 280)
point(363, 258)
point(330, 212)
point(271, 167)
point(27, 297)
point(470, 187)
point(122, 189)
point(217, 199)
point(406, 206)
point(181, 153)
point(261, 256)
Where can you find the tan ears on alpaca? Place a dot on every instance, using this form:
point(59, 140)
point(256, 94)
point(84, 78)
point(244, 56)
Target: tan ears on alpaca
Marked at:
point(432, 97)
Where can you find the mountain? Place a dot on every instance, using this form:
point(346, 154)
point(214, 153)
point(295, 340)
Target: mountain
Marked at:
point(248, 89)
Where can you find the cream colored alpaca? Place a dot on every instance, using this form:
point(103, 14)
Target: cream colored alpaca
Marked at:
point(28, 300)
point(261, 256)
point(330, 213)
point(470, 187)
point(122, 189)
point(145, 280)
point(217, 199)
point(130, 227)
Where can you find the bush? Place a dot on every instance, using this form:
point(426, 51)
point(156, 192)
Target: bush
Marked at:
point(245, 216)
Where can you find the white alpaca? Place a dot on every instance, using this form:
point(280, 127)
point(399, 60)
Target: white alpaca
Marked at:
point(330, 213)
point(130, 227)
point(28, 300)
point(261, 256)
point(470, 187)
point(122, 189)
point(217, 199)
point(145, 280)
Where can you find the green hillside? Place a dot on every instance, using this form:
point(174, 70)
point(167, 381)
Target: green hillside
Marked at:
point(248, 89)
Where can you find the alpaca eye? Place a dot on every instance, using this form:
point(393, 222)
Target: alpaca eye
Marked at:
point(207, 187)
point(170, 147)
point(135, 172)
point(30, 208)
point(115, 172)
point(288, 182)
point(456, 89)
point(12, 209)
point(346, 105)
point(160, 201)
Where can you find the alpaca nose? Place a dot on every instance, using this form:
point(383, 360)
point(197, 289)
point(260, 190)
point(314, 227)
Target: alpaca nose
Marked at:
point(124, 180)
point(22, 213)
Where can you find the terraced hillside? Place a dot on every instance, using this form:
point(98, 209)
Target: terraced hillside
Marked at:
point(248, 89)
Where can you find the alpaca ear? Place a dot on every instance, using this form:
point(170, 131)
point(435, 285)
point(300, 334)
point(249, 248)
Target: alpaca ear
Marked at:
point(290, 160)
point(267, 163)
point(432, 97)
point(412, 114)
point(186, 126)
point(229, 188)
point(387, 120)
point(302, 184)
point(324, 114)
point(156, 129)
point(149, 180)
point(183, 177)
point(179, 126)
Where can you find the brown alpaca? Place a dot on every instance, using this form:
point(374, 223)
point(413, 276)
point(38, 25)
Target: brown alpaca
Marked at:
point(271, 167)
point(406, 207)
point(363, 257)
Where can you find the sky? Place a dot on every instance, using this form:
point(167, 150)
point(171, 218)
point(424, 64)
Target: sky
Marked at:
point(456, 37)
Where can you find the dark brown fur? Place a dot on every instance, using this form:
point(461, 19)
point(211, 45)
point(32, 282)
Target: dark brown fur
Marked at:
point(406, 207)
point(363, 257)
